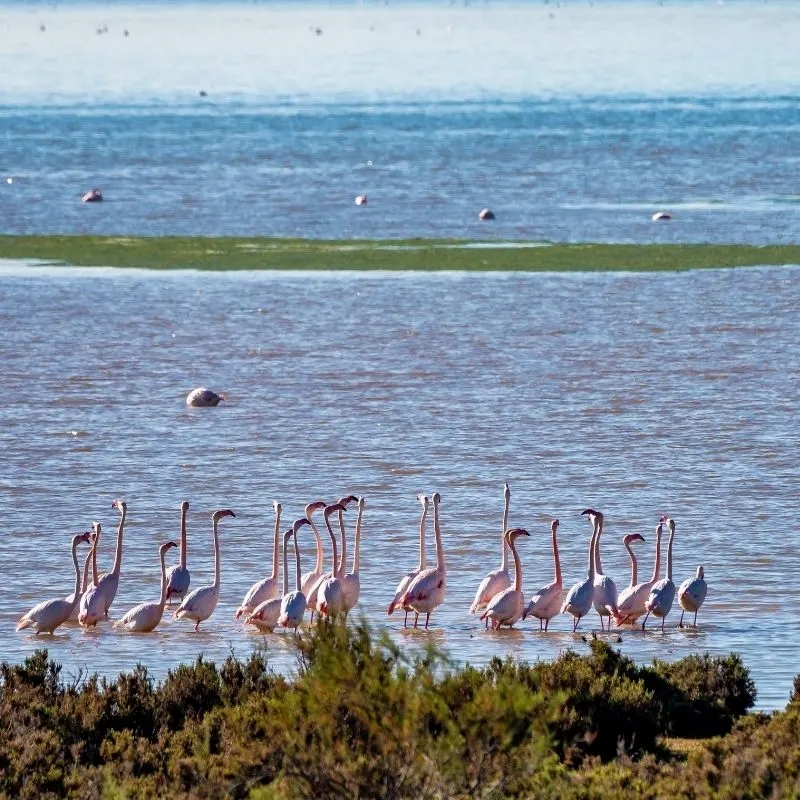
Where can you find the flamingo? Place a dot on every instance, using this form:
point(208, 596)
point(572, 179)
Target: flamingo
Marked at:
point(427, 590)
point(310, 578)
point(406, 580)
point(605, 590)
point(267, 588)
point(579, 597)
point(200, 603)
point(71, 598)
point(47, 616)
point(630, 603)
point(96, 602)
point(265, 615)
point(546, 603)
point(146, 616)
point(178, 577)
point(203, 398)
point(293, 605)
point(352, 582)
point(506, 607)
point(692, 594)
point(499, 579)
point(662, 594)
point(330, 594)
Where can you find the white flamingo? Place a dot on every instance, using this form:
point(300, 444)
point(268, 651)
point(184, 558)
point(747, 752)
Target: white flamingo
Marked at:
point(330, 595)
point(73, 599)
point(96, 602)
point(605, 590)
point(499, 579)
point(506, 607)
point(203, 398)
point(692, 595)
point(293, 605)
point(546, 602)
point(662, 595)
point(352, 581)
point(146, 616)
point(631, 601)
point(426, 592)
point(47, 616)
point(267, 588)
point(310, 578)
point(406, 580)
point(199, 604)
point(178, 577)
point(579, 597)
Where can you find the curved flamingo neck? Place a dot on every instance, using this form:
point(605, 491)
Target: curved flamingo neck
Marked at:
point(506, 502)
point(669, 553)
point(275, 543)
point(286, 537)
point(556, 559)
point(343, 561)
point(597, 565)
point(634, 564)
point(657, 565)
point(214, 524)
point(118, 553)
point(182, 558)
point(318, 567)
point(591, 549)
point(422, 558)
point(163, 600)
point(86, 567)
point(298, 577)
point(438, 534)
point(94, 555)
point(333, 545)
point(357, 543)
point(77, 596)
point(517, 566)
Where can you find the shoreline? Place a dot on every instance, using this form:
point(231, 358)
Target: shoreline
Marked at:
point(426, 255)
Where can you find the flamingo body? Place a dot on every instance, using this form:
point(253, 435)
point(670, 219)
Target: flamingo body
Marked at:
point(546, 603)
point(47, 616)
point(692, 594)
point(142, 618)
point(265, 616)
point(178, 581)
point(293, 608)
point(493, 584)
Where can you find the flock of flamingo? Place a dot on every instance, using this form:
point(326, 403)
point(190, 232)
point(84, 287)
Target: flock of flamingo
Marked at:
point(334, 593)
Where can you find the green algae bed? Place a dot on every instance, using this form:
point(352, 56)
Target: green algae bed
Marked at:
point(228, 253)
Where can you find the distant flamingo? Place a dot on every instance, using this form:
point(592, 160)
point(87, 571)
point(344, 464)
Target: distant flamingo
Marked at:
point(406, 580)
point(662, 595)
point(96, 602)
point(199, 604)
point(49, 615)
point(330, 595)
point(546, 603)
point(146, 616)
point(352, 581)
point(631, 601)
point(178, 577)
point(499, 579)
point(293, 605)
point(267, 588)
point(72, 598)
point(579, 597)
point(692, 594)
point(426, 592)
point(605, 590)
point(506, 607)
point(203, 398)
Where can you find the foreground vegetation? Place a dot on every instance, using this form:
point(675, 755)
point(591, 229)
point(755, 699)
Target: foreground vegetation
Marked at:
point(227, 253)
point(358, 719)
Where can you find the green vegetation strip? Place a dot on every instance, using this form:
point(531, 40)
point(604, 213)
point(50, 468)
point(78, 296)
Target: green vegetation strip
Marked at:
point(413, 254)
point(360, 717)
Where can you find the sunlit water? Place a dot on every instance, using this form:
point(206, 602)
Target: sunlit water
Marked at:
point(638, 394)
point(571, 121)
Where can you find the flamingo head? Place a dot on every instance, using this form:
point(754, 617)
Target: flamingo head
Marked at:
point(86, 536)
point(701, 573)
point(671, 524)
point(276, 506)
point(424, 500)
point(333, 508)
point(361, 503)
point(506, 493)
point(166, 546)
point(554, 525)
point(298, 523)
point(512, 534)
point(345, 501)
point(96, 529)
point(437, 498)
point(632, 537)
point(218, 515)
point(120, 505)
point(184, 506)
point(312, 508)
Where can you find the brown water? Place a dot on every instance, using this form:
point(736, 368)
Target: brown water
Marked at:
point(638, 394)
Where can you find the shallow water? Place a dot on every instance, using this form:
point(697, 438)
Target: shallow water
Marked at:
point(571, 121)
point(638, 394)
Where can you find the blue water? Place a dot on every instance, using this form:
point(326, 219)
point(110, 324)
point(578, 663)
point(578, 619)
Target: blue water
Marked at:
point(571, 122)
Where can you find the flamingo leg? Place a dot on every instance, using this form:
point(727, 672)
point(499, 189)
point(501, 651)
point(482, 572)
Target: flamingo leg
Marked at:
point(427, 619)
point(645, 620)
point(487, 623)
point(405, 620)
point(680, 624)
point(197, 626)
point(416, 620)
point(663, 620)
point(575, 624)
point(695, 619)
